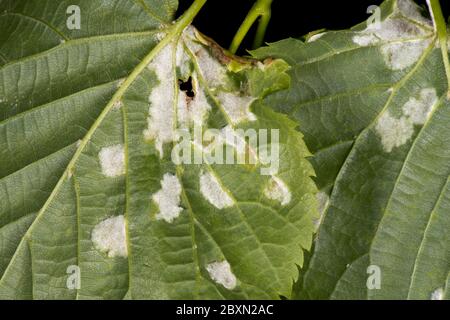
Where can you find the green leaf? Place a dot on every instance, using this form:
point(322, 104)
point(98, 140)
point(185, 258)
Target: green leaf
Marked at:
point(91, 185)
point(372, 105)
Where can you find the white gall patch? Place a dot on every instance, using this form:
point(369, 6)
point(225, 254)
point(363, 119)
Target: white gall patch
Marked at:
point(396, 132)
point(411, 10)
point(117, 105)
point(168, 198)
point(237, 107)
point(221, 273)
point(418, 110)
point(109, 236)
point(316, 37)
point(437, 294)
point(277, 190)
point(393, 132)
point(112, 160)
point(365, 40)
point(213, 72)
point(399, 56)
point(193, 111)
point(402, 41)
point(213, 191)
point(161, 111)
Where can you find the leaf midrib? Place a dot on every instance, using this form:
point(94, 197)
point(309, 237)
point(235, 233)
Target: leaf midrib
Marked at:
point(174, 31)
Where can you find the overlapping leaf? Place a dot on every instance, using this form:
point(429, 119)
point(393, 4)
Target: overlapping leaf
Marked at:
point(372, 105)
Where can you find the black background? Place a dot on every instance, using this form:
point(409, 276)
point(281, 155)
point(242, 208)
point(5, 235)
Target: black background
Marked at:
point(220, 19)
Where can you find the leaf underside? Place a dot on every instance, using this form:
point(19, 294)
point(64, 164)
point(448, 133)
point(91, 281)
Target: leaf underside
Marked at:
point(372, 105)
point(87, 121)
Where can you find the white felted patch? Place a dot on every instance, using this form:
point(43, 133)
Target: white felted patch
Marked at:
point(391, 29)
point(437, 294)
point(213, 191)
point(418, 110)
point(221, 273)
point(161, 119)
point(277, 190)
point(168, 198)
point(213, 72)
point(117, 105)
point(193, 111)
point(237, 107)
point(365, 40)
point(399, 56)
point(393, 132)
point(112, 160)
point(411, 10)
point(109, 236)
point(211, 69)
point(183, 59)
point(396, 132)
point(402, 41)
point(316, 37)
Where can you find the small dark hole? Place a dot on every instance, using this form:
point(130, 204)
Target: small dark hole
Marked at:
point(186, 86)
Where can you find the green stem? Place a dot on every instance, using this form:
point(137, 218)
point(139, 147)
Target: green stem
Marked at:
point(441, 28)
point(189, 15)
point(261, 9)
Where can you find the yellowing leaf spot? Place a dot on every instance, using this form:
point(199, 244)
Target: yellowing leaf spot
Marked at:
point(112, 160)
point(109, 236)
point(211, 189)
point(221, 273)
point(168, 198)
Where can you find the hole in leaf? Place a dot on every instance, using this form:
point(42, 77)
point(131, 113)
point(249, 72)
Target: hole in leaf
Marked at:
point(186, 86)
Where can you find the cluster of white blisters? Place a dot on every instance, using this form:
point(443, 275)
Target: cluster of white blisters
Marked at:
point(193, 111)
point(395, 132)
point(112, 160)
point(109, 236)
point(213, 191)
point(168, 198)
point(161, 118)
point(402, 41)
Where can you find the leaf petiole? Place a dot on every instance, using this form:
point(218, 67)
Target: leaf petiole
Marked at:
point(441, 28)
point(261, 9)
